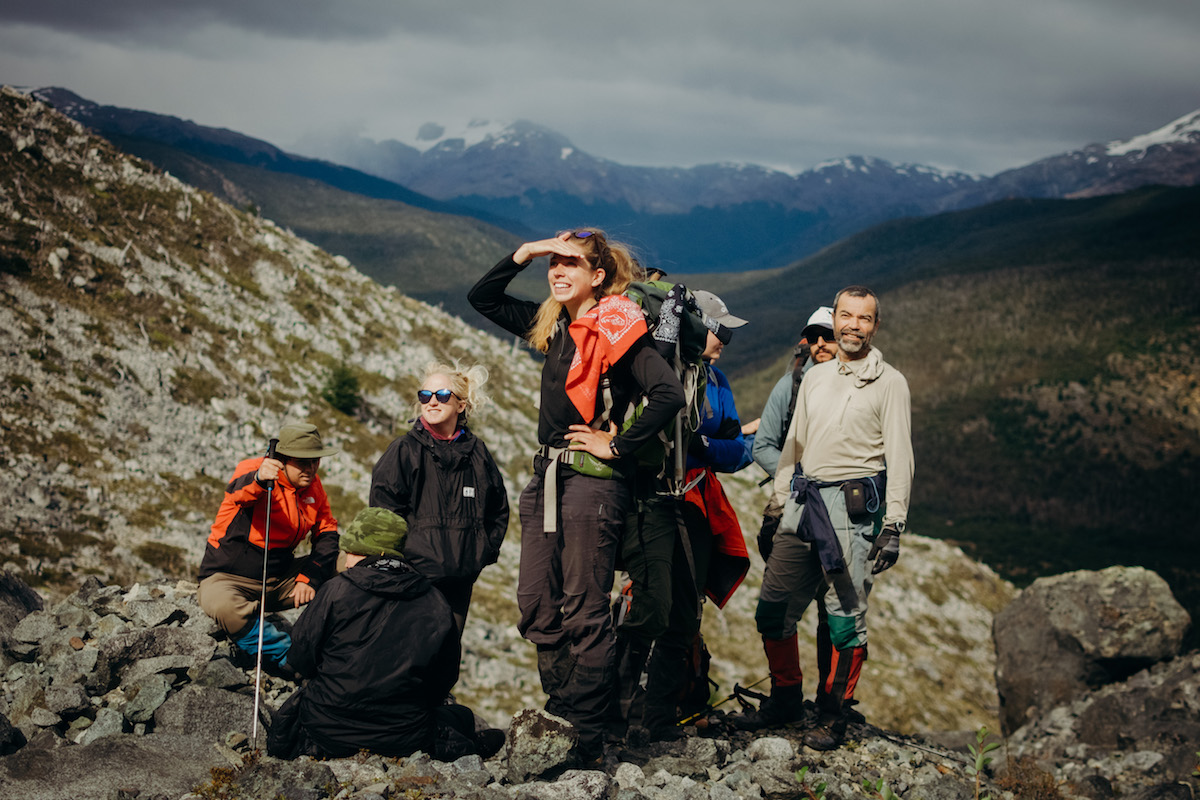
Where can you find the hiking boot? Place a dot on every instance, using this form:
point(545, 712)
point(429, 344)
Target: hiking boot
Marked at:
point(668, 732)
point(587, 755)
point(489, 741)
point(852, 714)
point(828, 734)
point(784, 706)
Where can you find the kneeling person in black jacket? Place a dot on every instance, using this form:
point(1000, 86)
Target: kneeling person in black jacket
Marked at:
point(381, 649)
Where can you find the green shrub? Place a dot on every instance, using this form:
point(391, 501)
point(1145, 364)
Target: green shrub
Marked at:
point(169, 558)
point(341, 389)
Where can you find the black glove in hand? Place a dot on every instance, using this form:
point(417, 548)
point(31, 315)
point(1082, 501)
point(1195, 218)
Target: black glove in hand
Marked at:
point(886, 549)
point(766, 535)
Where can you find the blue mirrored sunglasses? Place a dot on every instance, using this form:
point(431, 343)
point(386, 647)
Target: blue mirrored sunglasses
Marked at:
point(582, 234)
point(442, 395)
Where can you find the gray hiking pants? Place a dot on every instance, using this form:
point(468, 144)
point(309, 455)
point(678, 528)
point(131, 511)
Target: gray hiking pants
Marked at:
point(794, 577)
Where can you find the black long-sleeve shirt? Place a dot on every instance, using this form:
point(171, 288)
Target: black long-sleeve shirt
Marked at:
point(641, 371)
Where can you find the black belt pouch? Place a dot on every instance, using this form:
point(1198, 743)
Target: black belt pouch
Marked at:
point(855, 493)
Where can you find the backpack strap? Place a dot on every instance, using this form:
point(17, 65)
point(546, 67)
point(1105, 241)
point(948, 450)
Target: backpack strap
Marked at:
point(797, 376)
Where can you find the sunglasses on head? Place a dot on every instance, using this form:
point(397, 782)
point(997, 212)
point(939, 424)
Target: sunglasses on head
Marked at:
point(442, 395)
point(582, 234)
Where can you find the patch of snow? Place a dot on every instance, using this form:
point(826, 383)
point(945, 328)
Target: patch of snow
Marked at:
point(1184, 129)
point(472, 133)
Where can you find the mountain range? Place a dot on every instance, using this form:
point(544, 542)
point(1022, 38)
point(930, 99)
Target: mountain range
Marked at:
point(730, 217)
point(528, 179)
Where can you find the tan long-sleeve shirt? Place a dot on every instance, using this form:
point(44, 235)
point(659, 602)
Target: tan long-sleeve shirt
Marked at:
point(852, 419)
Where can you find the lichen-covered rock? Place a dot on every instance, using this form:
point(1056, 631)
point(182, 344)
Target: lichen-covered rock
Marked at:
point(538, 743)
point(1067, 634)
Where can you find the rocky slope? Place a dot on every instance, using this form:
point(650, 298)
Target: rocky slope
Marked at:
point(155, 336)
point(132, 692)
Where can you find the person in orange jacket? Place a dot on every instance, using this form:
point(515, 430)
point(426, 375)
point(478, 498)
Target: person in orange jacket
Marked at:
point(231, 572)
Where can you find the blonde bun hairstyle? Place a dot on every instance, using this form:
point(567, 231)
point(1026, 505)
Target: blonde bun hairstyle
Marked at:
point(466, 382)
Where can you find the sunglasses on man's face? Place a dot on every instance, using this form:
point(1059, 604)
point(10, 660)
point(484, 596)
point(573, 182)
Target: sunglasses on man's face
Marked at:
point(442, 395)
point(305, 464)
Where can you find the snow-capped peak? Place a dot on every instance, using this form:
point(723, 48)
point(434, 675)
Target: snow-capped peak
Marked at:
point(431, 134)
point(1184, 129)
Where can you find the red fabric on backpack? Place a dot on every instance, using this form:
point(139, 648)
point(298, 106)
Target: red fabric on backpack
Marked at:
point(730, 560)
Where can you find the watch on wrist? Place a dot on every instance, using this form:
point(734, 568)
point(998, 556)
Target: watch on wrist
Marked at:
point(612, 447)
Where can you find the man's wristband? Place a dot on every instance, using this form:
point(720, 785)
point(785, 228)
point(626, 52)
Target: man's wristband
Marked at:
point(612, 447)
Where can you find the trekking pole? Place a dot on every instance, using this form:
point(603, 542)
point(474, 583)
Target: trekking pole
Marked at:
point(262, 603)
point(737, 690)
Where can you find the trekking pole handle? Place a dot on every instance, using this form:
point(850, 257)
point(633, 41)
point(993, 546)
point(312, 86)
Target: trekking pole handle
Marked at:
point(271, 454)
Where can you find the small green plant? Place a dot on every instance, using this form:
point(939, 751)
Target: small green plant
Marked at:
point(880, 789)
point(341, 389)
point(980, 750)
point(812, 792)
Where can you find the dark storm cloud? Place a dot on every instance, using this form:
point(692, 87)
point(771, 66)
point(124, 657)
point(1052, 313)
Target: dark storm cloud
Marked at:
point(129, 19)
point(960, 83)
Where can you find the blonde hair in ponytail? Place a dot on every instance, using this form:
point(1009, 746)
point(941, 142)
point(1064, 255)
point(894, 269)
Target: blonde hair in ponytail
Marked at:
point(467, 383)
point(620, 266)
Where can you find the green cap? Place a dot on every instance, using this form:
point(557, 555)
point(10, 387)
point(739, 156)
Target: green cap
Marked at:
point(302, 440)
point(375, 532)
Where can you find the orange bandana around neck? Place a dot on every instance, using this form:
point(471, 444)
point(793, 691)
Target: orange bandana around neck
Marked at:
point(602, 336)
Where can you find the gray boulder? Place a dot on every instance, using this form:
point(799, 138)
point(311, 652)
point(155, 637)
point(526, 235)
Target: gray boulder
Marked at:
point(1071, 633)
point(126, 649)
point(110, 767)
point(1133, 734)
point(296, 780)
point(538, 744)
point(11, 737)
point(205, 712)
point(573, 785)
point(17, 600)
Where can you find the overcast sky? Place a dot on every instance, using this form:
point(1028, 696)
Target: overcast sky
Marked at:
point(962, 84)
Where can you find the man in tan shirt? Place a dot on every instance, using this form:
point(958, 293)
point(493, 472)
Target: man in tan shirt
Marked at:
point(844, 478)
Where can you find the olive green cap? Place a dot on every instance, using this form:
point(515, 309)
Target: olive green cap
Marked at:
point(375, 532)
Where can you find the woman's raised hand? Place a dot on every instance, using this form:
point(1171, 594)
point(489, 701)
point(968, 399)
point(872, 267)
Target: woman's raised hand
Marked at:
point(559, 245)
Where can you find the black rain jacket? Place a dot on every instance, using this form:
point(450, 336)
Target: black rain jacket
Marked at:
point(451, 494)
point(382, 652)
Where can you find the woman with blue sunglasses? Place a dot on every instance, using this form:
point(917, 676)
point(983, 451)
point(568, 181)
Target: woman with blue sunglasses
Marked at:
point(443, 480)
point(599, 360)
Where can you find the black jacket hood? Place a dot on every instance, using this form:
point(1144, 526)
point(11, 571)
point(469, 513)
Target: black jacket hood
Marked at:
point(388, 576)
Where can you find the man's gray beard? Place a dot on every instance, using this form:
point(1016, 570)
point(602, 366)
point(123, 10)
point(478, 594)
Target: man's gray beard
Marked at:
point(853, 347)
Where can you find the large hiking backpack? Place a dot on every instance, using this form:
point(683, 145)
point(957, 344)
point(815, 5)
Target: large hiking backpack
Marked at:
point(680, 335)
